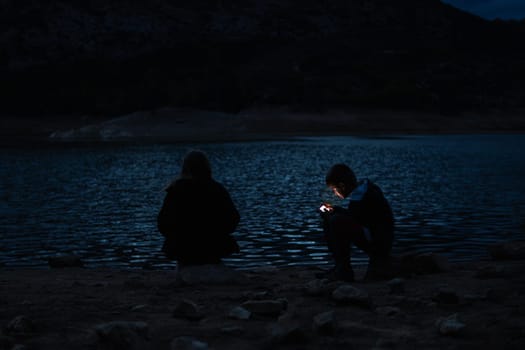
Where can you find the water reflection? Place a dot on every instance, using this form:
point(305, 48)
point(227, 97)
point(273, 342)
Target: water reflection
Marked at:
point(450, 194)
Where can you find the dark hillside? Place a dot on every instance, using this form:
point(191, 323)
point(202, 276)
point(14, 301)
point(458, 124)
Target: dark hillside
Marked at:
point(112, 57)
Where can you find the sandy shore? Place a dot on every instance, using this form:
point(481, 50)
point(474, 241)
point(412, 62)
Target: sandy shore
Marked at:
point(478, 305)
point(189, 125)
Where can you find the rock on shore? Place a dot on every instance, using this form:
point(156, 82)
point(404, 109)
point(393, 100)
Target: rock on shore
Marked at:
point(470, 305)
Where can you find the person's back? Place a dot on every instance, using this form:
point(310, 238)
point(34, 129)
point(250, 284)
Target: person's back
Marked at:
point(197, 217)
point(369, 207)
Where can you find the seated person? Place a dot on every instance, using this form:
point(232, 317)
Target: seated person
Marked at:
point(198, 216)
point(367, 223)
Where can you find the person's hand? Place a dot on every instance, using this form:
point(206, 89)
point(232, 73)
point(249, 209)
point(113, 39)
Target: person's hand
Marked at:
point(325, 208)
point(338, 209)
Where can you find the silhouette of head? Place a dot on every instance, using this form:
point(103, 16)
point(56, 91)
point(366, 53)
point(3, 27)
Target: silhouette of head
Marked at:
point(196, 165)
point(341, 179)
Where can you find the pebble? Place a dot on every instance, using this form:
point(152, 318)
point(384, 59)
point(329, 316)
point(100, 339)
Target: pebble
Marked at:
point(264, 307)
point(449, 325)
point(123, 335)
point(446, 296)
point(240, 313)
point(139, 307)
point(351, 295)
point(20, 325)
point(288, 329)
point(187, 309)
point(188, 343)
point(389, 311)
point(396, 286)
point(316, 287)
point(232, 330)
point(325, 323)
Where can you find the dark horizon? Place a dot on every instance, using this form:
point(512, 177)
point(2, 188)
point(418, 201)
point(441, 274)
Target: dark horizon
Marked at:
point(108, 60)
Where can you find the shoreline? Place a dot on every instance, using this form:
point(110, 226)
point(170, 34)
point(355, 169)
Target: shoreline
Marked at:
point(31, 142)
point(178, 125)
point(473, 305)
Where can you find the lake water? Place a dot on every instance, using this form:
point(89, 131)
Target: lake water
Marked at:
point(451, 195)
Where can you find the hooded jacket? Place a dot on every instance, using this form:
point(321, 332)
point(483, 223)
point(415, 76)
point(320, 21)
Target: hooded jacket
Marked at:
point(197, 218)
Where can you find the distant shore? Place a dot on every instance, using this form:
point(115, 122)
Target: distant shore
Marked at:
point(185, 125)
point(475, 305)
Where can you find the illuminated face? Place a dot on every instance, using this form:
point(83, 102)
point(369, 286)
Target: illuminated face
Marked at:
point(339, 190)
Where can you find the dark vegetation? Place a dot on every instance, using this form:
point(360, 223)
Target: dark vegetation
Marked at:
point(111, 57)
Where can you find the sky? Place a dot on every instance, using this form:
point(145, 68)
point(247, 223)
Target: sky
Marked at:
point(492, 9)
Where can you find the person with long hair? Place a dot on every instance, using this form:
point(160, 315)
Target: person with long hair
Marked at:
point(198, 216)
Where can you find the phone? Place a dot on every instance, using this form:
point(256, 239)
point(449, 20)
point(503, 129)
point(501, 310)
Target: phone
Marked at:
point(324, 208)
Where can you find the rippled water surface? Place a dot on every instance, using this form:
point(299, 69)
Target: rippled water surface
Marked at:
point(450, 194)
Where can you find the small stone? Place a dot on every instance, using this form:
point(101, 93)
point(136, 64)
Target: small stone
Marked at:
point(20, 325)
point(347, 293)
point(389, 311)
point(450, 325)
point(19, 347)
point(264, 307)
point(284, 303)
point(139, 307)
point(187, 309)
point(188, 343)
point(316, 287)
point(287, 330)
point(240, 313)
point(232, 330)
point(446, 296)
point(123, 335)
point(386, 343)
point(324, 323)
point(396, 286)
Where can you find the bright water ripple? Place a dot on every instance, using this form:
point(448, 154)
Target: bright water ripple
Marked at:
point(450, 194)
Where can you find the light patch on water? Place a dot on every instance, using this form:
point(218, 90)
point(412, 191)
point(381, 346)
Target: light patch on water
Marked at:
point(451, 195)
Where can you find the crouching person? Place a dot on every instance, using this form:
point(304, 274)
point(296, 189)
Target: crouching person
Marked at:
point(367, 223)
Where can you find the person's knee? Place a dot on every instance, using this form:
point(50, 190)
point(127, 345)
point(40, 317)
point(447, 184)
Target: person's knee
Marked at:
point(346, 225)
point(380, 250)
point(338, 221)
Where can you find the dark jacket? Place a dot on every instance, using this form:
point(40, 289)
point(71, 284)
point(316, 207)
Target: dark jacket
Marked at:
point(369, 207)
point(197, 219)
